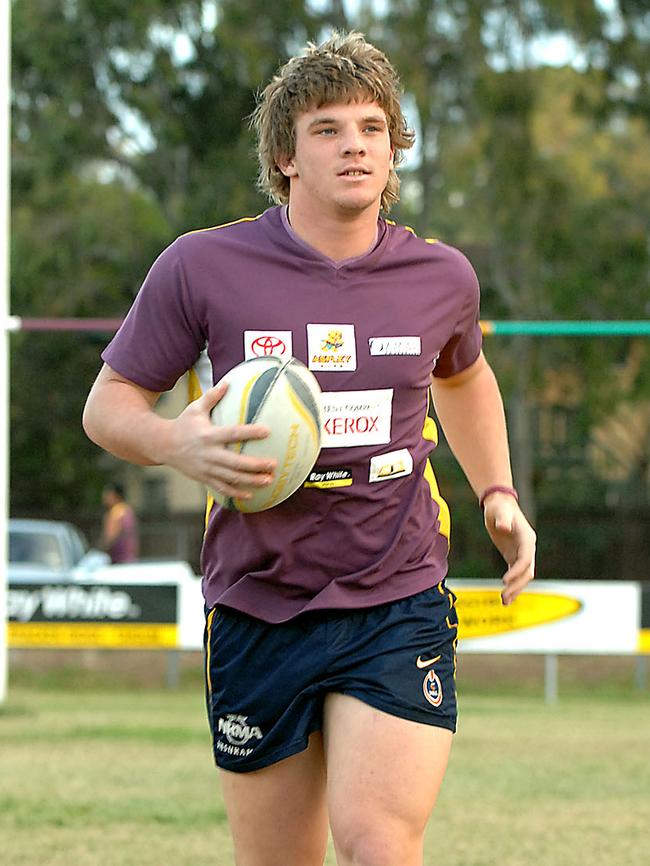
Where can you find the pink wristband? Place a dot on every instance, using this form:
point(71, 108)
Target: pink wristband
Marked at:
point(497, 488)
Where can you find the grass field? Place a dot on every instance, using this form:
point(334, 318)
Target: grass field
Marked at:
point(121, 775)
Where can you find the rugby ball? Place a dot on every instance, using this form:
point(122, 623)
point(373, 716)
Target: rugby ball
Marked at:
point(285, 396)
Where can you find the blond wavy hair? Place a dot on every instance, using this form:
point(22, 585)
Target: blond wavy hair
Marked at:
point(344, 68)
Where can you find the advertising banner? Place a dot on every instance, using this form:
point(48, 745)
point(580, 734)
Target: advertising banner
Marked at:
point(87, 615)
point(580, 617)
point(559, 617)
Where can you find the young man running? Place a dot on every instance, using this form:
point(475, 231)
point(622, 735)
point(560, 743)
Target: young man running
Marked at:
point(330, 638)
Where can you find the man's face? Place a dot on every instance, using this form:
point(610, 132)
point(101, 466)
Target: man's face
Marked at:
point(342, 158)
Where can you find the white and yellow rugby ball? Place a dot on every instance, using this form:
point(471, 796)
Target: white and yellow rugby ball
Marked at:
point(286, 397)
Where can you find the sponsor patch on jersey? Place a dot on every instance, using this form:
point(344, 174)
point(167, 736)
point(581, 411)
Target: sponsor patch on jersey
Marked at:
point(395, 345)
point(331, 347)
point(395, 464)
point(356, 418)
point(325, 479)
point(261, 344)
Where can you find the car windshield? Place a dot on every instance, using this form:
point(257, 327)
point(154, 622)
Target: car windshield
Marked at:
point(40, 549)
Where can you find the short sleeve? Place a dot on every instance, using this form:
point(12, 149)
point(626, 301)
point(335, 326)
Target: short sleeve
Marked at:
point(464, 345)
point(162, 336)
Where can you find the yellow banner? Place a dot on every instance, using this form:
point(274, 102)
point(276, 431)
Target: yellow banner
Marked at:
point(481, 612)
point(92, 635)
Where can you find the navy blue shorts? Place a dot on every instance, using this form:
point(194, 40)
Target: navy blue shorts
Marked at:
point(266, 683)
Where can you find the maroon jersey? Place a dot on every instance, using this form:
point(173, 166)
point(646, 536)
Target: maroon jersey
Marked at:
point(368, 526)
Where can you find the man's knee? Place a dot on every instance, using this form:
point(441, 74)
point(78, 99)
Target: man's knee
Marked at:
point(378, 846)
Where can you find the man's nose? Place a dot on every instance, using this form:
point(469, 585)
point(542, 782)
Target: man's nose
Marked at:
point(353, 143)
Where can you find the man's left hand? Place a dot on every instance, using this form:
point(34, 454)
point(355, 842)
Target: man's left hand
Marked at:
point(515, 539)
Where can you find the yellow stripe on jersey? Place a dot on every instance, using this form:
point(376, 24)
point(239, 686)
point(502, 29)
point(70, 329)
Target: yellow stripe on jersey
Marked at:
point(194, 390)
point(430, 432)
point(209, 502)
point(412, 231)
point(222, 226)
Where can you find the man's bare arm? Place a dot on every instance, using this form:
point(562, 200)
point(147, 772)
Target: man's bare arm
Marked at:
point(120, 417)
point(470, 410)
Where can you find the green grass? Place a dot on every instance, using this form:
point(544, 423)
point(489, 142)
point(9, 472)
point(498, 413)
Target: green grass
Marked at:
point(124, 776)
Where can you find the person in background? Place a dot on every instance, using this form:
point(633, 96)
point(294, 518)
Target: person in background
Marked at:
point(119, 526)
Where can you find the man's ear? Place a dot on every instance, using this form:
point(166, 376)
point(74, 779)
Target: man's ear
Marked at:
point(287, 166)
point(392, 157)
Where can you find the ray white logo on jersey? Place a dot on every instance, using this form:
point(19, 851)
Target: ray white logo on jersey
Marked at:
point(356, 417)
point(71, 602)
point(237, 731)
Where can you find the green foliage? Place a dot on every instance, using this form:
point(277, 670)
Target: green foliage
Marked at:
point(127, 130)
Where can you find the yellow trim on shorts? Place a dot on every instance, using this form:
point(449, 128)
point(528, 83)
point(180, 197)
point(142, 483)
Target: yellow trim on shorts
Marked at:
point(450, 625)
point(208, 627)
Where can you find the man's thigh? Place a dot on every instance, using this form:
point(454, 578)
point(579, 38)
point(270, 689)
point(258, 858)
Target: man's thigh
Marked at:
point(383, 777)
point(278, 815)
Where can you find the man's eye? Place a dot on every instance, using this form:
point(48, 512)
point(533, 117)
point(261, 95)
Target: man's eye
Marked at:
point(328, 130)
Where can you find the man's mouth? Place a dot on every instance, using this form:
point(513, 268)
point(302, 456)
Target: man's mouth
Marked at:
point(354, 172)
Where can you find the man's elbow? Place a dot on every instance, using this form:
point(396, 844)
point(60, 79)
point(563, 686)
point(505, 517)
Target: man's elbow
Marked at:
point(90, 420)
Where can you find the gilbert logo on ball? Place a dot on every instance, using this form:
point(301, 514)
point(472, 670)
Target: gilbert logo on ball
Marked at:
point(285, 396)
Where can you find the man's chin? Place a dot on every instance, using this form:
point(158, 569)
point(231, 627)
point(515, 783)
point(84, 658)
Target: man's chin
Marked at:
point(352, 205)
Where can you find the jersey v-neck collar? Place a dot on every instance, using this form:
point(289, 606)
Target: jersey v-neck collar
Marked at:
point(351, 262)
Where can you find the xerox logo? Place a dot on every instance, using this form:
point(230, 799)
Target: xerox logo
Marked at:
point(237, 731)
point(356, 417)
point(342, 424)
point(262, 344)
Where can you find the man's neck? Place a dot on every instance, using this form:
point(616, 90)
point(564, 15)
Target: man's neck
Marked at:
point(337, 237)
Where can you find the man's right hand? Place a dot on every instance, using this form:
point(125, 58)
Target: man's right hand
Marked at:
point(198, 449)
point(120, 416)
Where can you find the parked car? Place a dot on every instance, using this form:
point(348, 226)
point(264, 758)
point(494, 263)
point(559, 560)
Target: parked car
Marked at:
point(50, 551)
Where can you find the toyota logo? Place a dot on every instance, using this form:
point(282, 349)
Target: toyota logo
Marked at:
point(263, 346)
